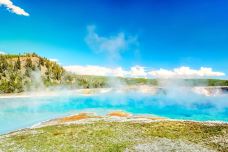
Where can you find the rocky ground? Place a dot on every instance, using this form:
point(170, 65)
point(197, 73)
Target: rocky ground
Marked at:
point(118, 131)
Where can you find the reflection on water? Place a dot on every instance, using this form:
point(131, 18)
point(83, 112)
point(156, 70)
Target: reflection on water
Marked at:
point(17, 113)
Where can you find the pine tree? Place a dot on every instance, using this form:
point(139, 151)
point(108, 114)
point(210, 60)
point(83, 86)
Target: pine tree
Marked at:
point(28, 63)
point(17, 65)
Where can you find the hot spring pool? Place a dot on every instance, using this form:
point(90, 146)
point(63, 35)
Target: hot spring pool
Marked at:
point(16, 113)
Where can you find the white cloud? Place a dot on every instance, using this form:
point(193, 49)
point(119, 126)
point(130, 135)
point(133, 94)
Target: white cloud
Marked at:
point(135, 71)
point(2, 52)
point(185, 72)
point(54, 60)
point(120, 72)
point(96, 70)
point(88, 70)
point(112, 46)
point(13, 8)
point(139, 71)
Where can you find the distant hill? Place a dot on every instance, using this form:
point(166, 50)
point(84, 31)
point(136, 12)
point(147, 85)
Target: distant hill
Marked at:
point(29, 72)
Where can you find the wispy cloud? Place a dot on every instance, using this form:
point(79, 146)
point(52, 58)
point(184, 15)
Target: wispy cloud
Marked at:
point(112, 46)
point(139, 71)
point(13, 8)
point(185, 72)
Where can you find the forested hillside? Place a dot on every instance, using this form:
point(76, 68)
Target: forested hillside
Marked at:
point(29, 72)
point(19, 73)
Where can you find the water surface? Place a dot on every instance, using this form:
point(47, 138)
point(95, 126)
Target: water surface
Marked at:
point(17, 113)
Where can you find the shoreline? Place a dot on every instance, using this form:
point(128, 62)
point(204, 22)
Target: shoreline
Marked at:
point(114, 116)
point(144, 89)
point(122, 115)
point(75, 92)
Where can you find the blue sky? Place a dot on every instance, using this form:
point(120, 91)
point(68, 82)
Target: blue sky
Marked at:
point(154, 34)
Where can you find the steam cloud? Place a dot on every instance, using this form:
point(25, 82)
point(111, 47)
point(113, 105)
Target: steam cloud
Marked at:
point(111, 46)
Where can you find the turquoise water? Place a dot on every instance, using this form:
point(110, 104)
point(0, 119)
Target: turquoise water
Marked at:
point(17, 113)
